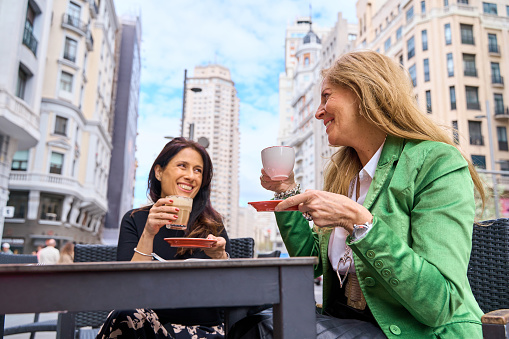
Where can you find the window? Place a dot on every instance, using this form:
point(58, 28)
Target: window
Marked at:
point(492, 43)
point(474, 131)
point(499, 103)
point(479, 161)
point(464, 2)
point(20, 161)
point(60, 125)
point(446, 3)
point(50, 207)
point(401, 59)
point(455, 133)
point(502, 138)
point(74, 11)
point(424, 35)
point(4, 147)
point(19, 200)
point(56, 162)
point(448, 34)
point(469, 65)
point(66, 82)
point(452, 97)
point(426, 70)
point(29, 39)
point(410, 48)
point(472, 97)
point(467, 34)
point(496, 78)
point(507, 10)
point(450, 65)
point(489, 8)
point(413, 75)
point(70, 49)
point(22, 83)
point(423, 7)
point(399, 33)
point(428, 101)
point(387, 44)
point(410, 14)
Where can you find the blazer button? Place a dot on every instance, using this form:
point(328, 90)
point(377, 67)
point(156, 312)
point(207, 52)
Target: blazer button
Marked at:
point(370, 254)
point(370, 282)
point(394, 282)
point(386, 273)
point(395, 329)
point(379, 264)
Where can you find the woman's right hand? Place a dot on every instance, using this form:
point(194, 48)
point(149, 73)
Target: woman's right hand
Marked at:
point(277, 186)
point(161, 213)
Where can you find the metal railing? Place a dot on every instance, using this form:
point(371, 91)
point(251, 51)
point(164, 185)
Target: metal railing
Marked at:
point(478, 140)
point(29, 40)
point(497, 79)
point(470, 72)
point(74, 22)
point(494, 48)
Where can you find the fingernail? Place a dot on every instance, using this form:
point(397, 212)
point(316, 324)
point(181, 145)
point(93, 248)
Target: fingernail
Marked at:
point(177, 209)
point(171, 201)
point(175, 217)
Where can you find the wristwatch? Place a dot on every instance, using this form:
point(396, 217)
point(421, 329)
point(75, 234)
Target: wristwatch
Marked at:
point(360, 231)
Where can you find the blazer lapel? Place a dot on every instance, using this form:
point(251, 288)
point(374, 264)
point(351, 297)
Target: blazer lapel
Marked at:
point(390, 153)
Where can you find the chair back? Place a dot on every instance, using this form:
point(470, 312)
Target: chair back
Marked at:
point(18, 258)
point(273, 254)
point(488, 270)
point(93, 253)
point(242, 248)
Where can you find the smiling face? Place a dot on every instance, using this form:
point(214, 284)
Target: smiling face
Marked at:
point(339, 110)
point(182, 175)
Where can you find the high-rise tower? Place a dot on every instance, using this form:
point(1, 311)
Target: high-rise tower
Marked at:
point(212, 118)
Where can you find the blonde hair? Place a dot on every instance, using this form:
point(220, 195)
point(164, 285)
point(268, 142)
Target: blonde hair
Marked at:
point(386, 99)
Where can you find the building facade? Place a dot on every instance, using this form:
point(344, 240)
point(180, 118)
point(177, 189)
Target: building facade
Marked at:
point(58, 188)
point(212, 118)
point(123, 160)
point(456, 55)
point(22, 63)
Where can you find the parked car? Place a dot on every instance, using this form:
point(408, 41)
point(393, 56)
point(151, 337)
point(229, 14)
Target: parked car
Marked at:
point(318, 280)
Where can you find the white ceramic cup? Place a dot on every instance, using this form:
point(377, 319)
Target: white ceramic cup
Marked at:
point(278, 162)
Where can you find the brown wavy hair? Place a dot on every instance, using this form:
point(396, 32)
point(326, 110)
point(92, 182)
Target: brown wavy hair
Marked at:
point(204, 219)
point(386, 99)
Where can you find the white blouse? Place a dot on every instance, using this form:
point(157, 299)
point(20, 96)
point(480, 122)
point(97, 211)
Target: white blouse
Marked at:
point(337, 240)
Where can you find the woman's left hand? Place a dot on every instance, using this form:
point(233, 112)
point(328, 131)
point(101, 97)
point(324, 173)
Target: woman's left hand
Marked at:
point(328, 209)
point(217, 251)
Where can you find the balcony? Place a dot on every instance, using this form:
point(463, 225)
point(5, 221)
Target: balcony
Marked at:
point(467, 40)
point(473, 105)
point(477, 140)
point(30, 41)
point(494, 49)
point(74, 23)
point(94, 9)
point(90, 42)
point(501, 113)
point(503, 146)
point(470, 72)
point(497, 80)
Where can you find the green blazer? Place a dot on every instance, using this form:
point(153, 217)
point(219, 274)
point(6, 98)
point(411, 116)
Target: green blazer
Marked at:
point(412, 264)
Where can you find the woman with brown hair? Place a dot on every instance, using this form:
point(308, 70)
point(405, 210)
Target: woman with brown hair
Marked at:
point(182, 168)
point(393, 224)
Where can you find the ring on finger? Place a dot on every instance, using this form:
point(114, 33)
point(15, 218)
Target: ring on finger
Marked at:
point(307, 216)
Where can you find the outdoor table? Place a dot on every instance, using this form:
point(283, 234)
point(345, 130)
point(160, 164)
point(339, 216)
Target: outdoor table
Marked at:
point(287, 283)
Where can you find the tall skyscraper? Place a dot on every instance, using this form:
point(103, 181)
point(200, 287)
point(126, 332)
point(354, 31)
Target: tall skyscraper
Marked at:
point(59, 186)
point(123, 161)
point(456, 54)
point(25, 28)
point(212, 118)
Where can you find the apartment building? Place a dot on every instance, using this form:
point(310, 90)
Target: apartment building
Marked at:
point(23, 48)
point(123, 161)
point(212, 118)
point(456, 54)
point(58, 188)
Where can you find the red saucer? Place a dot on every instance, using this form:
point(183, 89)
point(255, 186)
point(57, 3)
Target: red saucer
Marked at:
point(268, 206)
point(190, 242)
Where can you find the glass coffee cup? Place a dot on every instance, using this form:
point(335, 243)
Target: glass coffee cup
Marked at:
point(185, 206)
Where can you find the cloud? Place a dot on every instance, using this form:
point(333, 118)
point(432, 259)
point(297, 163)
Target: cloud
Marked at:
point(246, 36)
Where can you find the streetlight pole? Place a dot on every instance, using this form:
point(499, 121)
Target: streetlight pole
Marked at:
point(492, 161)
point(184, 103)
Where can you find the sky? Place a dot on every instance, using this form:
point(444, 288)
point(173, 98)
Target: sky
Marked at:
point(246, 36)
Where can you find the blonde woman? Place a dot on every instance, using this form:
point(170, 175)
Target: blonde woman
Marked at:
point(393, 225)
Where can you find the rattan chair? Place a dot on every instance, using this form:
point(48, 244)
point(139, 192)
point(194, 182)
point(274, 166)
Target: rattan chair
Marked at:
point(488, 274)
point(273, 254)
point(242, 248)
